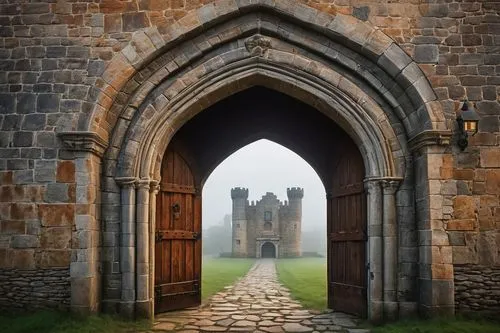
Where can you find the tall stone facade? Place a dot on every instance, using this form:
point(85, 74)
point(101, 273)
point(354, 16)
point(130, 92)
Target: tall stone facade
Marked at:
point(268, 227)
point(92, 92)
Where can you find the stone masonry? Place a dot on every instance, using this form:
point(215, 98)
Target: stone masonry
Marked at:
point(84, 84)
point(267, 221)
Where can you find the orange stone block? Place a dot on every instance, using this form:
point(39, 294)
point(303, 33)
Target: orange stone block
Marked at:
point(493, 181)
point(6, 177)
point(446, 173)
point(54, 258)
point(65, 172)
point(490, 158)
point(5, 194)
point(56, 238)
point(5, 258)
point(23, 259)
point(56, 215)
point(22, 211)
point(13, 227)
point(462, 225)
point(464, 207)
point(463, 174)
point(442, 271)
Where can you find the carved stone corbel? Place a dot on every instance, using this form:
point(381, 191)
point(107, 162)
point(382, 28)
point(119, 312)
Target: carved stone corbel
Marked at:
point(257, 45)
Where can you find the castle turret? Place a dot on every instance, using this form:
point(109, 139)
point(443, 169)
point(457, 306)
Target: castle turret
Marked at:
point(294, 223)
point(240, 203)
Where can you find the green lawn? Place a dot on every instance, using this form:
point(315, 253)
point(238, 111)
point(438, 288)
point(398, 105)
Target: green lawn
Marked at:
point(306, 279)
point(442, 325)
point(218, 273)
point(60, 322)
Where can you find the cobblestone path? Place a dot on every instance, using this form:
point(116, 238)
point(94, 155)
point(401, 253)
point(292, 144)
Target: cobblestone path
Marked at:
point(256, 303)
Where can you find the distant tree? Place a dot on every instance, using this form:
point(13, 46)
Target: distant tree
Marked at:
point(218, 238)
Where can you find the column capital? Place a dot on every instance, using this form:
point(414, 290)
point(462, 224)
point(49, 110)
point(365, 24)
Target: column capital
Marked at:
point(126, 182)
point(372, 185)
point(83, 141)
point(154, 186)
point(143, 183)
point(390, 186)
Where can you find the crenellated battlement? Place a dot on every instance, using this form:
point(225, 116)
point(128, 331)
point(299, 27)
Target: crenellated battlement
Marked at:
point(295, 193)
point(239, 193)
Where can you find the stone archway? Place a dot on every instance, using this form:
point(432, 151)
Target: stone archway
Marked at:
point(268, 250)
point(343, 67)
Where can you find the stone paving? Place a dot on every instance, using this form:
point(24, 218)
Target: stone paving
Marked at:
point(256, 303)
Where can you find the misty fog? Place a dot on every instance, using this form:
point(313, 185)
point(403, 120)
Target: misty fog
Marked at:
point(264, 166)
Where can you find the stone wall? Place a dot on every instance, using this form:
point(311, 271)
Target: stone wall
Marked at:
point(37, 288)
point(52, 58)
point(477, 289)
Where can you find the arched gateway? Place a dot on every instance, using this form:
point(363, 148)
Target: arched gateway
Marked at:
point(332, 88)
point(268, 250)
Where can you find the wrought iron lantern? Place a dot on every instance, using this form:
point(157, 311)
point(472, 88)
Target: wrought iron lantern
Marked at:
point(467, 120)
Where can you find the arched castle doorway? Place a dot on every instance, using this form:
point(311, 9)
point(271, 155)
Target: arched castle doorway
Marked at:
point(268, 250)
point(380, 104)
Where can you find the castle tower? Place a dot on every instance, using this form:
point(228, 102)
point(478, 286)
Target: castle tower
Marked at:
point(294, 223)
point(240, 203)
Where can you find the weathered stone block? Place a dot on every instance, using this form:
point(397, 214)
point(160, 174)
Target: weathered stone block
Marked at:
point(492, 181)
point(23, 259)
point(24, 241)
point(66, 172)
point(22, 211)
point(13, 227)
point(56, 214)
point(7, 103)
point(462, 225)
point(490, 158)
point(134, 21)
point(57, 193)
point(53, 258)
point(48, 103)
point(464, 207)
point(456, 238)
point(426, 54)
point(56, 238)
point(34, 122)
point(23, 139)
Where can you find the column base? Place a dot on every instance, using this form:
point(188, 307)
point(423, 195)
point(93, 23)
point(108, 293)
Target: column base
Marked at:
point(437, 311)
point(408, 309)
point(391, 310)
point(127, 309)
point(376, 312)
point(111, 306)
point(144, 309)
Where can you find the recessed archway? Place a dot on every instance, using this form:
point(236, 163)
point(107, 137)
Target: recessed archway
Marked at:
point(268, 250)
point(259, 112)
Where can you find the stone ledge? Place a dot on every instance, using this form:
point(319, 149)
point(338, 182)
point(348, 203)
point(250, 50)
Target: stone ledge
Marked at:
point(430, 138)
point(83, 141)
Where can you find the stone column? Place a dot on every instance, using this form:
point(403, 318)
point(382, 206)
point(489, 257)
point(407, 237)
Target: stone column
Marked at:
point(389, 231)
point(375, 272)
point(153, 191)
point(127, 245)
point(143, 305)
point(84, 172)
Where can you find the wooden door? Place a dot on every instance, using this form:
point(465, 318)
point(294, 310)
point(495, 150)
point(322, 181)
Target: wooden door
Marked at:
point(178, 237)
point(346, 216)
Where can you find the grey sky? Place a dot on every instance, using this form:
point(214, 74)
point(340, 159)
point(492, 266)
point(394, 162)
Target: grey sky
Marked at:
point(264, 166)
